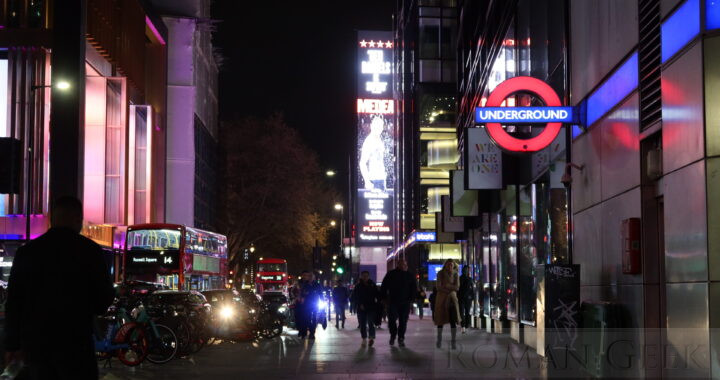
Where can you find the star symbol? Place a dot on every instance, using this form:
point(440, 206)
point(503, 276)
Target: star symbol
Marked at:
point(363, 43)
point(388, 44)
point(380, 44)
point(372, 43)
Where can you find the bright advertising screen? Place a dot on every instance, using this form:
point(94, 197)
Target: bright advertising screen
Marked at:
point(375, 139)
point(433, 270)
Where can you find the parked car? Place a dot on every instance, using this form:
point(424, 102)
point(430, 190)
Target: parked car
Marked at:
point(239, 315)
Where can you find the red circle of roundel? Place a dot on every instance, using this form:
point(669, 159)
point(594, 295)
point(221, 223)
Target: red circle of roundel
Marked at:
point(534, 86)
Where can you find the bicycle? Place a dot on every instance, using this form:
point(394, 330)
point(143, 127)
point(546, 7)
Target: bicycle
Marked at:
point(126, 341)
point(162, 341)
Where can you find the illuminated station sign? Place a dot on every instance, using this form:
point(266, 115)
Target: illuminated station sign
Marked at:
point(375, 139)
point(553, 114)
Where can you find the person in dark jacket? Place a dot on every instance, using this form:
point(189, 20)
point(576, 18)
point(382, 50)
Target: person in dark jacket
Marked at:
point(54, 335)
point(310, 294)
point(421, 295)
point(365, 298)
point(340, 295)
point(466, 294)
point(398, 291)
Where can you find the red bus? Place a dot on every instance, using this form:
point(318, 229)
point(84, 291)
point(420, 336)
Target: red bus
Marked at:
point(271, 276)
point(178, 256)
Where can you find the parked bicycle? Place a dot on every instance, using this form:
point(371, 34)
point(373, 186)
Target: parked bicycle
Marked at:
point(126, 341)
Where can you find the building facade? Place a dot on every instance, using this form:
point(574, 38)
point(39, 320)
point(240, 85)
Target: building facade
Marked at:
point(623, 197)
point(192, 93)
point(97, 90)
point(426, 146)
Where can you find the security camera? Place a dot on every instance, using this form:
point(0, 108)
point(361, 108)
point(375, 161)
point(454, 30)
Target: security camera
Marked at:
point(567, 176)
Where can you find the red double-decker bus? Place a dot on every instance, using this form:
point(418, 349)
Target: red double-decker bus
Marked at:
point(271, 276)
point(178, 256)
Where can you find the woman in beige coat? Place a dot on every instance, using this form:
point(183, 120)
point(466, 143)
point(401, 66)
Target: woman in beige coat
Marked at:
point(446, 302)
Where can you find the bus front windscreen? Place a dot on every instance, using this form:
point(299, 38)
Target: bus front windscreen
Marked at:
point(155, 248)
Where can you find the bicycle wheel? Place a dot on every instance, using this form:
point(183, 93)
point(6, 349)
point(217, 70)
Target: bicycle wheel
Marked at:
point(163, 347)
point(137, 348)
point(184, 336)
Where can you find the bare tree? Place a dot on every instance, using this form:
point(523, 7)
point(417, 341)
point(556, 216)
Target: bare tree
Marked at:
point(275, 196)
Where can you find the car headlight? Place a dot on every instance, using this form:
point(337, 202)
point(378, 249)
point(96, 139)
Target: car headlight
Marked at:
point(322, 304)
point(227, 312)
point(282, 309)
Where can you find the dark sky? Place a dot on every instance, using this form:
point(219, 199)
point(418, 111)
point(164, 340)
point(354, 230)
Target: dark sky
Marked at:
point(297, 57)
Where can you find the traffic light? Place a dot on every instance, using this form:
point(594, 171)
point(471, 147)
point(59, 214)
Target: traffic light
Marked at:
point(339, 270)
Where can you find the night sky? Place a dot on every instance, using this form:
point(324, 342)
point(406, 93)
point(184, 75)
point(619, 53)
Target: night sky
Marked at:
point(296, 57)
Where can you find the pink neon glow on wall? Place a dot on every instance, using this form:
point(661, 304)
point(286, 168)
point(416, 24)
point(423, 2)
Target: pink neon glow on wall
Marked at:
point(157, 35)
point(95, 119)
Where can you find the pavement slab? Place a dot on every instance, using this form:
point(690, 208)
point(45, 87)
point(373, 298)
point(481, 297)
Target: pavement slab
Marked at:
point(338, 354)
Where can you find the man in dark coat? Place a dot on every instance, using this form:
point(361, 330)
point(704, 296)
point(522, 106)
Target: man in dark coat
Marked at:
point(54, 334)
point(340, 296)
point(466, 294)
point(307, 303)
point(398, 291)
point(365, 298)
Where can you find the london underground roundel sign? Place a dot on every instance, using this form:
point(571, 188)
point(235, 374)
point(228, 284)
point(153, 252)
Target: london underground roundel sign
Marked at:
point(553, 114)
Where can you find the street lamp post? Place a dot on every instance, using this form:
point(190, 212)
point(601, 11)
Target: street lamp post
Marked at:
point(59, 85)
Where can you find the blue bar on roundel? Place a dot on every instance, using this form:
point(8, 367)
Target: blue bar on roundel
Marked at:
point(509, 115)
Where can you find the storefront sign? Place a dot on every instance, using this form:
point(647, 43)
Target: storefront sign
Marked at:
point(483, 161)
point(425, 236)
point(523, 114)
point(464, 202)
point(553, 114)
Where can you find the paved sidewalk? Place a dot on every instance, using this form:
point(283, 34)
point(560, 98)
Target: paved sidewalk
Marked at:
point(337, 354)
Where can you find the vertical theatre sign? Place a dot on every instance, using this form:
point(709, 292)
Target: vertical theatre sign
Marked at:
point(375, 139)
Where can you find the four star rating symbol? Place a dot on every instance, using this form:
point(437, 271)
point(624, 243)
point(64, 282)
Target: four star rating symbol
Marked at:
point(373, 43)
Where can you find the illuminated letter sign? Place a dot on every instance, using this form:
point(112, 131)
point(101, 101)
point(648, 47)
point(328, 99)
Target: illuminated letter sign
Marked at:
point(493, 115)
point(383, 106)
point(427, 236)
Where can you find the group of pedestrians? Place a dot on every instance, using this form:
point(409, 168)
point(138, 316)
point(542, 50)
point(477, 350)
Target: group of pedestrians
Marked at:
point(451, 303)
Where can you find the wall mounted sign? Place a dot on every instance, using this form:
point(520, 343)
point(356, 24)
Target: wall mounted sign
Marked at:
point(554, 114)
point(483, 161)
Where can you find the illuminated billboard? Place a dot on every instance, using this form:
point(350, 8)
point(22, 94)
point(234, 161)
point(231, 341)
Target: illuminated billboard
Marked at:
point(375, 139)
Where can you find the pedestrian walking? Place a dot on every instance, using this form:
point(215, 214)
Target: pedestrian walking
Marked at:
point(446, 301)
point(306, 309)
point(398, 291)
point(340, 295)
point(34, 327)
point(366, 297)
point(421, 301)
point(431, 299)
point(350, 298)
point(466, 294)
